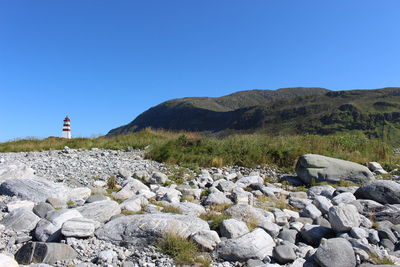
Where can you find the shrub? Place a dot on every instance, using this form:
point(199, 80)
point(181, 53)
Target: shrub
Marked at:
point(111, 182)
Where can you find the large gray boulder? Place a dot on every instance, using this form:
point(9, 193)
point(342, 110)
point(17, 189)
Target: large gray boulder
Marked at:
point(312, 167)
point(146, 228)
point(254, 245)
point(382, 191)
point(38, 252)
point(343, 217)
point(36, 190)
point(100, 211)
point(335, 252)
point(20, 220)
point(15, 170)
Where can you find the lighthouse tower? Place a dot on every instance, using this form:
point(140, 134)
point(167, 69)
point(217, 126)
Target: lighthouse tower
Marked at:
point(66, 132)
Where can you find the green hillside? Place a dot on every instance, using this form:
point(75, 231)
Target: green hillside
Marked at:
point(376, 113)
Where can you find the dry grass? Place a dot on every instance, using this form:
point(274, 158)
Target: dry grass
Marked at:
point(269, 203)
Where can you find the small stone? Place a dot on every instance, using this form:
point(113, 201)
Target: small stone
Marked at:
point(284, 254)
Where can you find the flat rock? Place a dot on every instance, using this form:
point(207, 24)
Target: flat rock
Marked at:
point(20, 220)
point(79, 227)
point(146, 228)
point(15, 170)
point(335, 252)
point(100, 211)
point(36, 190)
point(254, 245)
point(382, 191)
point(38, 252)
point(318, 168)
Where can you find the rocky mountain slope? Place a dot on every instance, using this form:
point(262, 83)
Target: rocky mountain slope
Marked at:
point(60, 208)
point(284, 111)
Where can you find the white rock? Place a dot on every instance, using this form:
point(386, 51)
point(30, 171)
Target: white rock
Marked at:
point(7, 261)
point(343, 217)
point(206, 239)
point(24, 204)
point(79, 227)
point(255, 245)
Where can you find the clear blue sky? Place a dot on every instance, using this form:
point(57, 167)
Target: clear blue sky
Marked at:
point(105, 62)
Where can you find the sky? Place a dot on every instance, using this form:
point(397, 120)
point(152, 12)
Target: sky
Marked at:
point(105, 62)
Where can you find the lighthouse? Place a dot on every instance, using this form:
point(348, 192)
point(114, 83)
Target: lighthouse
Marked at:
point(66, 132)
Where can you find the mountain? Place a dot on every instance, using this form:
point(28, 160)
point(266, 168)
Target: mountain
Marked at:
point(284, 111)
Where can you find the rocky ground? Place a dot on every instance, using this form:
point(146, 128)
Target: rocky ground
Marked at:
point(61, 208)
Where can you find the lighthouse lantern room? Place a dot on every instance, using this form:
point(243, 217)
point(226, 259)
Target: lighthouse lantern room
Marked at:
point(66, 132)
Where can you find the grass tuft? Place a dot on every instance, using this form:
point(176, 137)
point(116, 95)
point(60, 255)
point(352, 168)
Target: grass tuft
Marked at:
point(183, 251)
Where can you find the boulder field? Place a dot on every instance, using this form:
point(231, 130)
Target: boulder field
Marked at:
point(96, 207)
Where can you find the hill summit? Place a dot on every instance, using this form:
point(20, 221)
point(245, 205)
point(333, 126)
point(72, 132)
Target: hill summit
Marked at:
point(299, 110)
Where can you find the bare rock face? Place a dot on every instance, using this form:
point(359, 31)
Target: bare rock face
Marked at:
point(254, 245)
point(319, 168)
point(146, 228)
point(34, 252)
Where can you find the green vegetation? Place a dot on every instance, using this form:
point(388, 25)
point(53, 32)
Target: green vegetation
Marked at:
point(183, 251)
point(290, 111)
point(70, 203)
point(282, 151)
point(190, 149)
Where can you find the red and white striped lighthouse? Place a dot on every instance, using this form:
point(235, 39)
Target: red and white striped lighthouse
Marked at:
point(66, 132)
